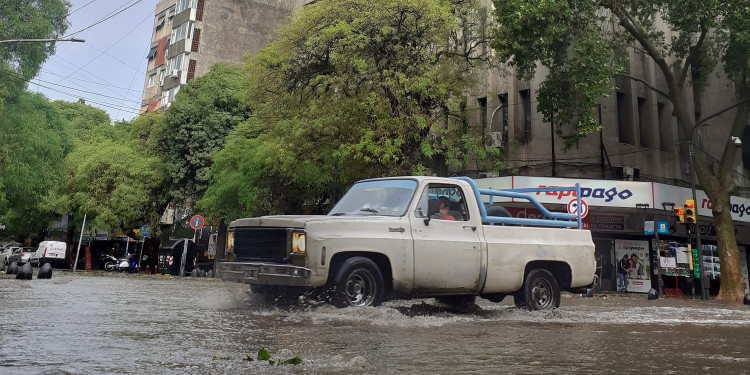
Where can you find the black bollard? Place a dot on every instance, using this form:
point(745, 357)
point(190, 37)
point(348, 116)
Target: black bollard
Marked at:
point(747, 299)
point(25, 272)
point(45, 272)
point(12, 268)
point(652, 294)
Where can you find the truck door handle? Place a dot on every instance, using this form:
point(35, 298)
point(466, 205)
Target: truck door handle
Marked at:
point(394, 229)
point(473, 227)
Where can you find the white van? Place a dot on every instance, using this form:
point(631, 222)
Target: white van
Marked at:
point(49, 252)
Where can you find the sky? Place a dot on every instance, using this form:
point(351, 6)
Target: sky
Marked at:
point(109, 69)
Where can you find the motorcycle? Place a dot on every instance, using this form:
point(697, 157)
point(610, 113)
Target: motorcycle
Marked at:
point(127, 263)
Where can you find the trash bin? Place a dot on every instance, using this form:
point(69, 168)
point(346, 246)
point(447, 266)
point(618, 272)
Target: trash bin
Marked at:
point(177, 257)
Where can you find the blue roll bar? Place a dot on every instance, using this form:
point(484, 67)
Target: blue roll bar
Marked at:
point(555, 219)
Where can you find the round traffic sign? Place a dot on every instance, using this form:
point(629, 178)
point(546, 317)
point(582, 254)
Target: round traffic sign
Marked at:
point(144, 231)
point(196, 222)
point(573, 208)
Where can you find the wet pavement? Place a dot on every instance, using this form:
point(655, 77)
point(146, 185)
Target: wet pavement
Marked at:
point(133, 324)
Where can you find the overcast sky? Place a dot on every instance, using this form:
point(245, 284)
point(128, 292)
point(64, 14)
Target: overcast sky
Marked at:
point(108, 70)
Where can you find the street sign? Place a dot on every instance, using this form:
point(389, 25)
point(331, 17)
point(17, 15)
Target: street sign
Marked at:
point(573, 207)
point(144, 231)
point(662, 227)
point(196, 222)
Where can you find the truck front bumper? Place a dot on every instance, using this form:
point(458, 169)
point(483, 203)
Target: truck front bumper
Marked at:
point(258, 273)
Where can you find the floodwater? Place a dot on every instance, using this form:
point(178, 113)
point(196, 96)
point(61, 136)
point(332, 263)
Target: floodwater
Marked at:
point(127, 324)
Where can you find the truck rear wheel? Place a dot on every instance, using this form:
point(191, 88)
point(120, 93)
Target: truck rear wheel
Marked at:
point(358, 282)
point(540, 291)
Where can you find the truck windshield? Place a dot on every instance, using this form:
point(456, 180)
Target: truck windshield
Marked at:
point(380, 197)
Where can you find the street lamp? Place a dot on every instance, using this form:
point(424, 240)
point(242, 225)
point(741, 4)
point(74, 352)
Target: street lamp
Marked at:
point(13, 41)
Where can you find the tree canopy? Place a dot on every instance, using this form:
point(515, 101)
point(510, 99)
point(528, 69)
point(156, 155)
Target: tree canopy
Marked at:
point(32, 146)
point(351, 89)
point(197, 123)
point(27, 19)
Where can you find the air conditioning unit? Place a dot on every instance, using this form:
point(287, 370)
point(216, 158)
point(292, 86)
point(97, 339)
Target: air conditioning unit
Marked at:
point(174, 73)
point(497, 139)
point(627, 173)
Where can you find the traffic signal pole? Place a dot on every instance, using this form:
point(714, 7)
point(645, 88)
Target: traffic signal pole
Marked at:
point(704, 278)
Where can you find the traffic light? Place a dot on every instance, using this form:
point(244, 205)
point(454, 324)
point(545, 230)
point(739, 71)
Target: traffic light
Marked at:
point(690, 212)
point(679, 213)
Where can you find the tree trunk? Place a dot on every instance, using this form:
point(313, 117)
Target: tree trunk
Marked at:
point(731, 288)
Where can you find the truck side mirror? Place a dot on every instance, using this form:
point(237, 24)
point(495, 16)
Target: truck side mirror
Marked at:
point(427, 221)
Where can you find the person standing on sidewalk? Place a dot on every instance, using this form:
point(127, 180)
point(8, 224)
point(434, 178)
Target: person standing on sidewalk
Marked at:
point(622, 273)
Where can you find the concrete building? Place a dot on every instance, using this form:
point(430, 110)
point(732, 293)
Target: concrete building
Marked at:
point(190, 36)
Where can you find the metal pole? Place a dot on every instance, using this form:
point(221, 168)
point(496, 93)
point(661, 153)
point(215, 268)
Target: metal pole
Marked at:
point(9, 41)
point(658, 260)
point(704, 279)
point(80, 239)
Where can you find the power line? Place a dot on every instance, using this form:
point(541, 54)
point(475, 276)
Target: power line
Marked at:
point(104, 19)
point(81, 7)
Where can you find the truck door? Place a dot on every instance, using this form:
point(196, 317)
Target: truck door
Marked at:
point(447, 249)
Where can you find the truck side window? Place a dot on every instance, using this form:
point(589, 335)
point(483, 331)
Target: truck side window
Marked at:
point(442, 202)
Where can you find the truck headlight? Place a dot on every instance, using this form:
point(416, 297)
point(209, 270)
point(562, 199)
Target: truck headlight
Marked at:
point(230, 241)
point(298, 243)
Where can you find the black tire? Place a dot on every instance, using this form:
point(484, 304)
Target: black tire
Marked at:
point(109, 266)
point(358, 282)
point(540, 291)
point(462, 303)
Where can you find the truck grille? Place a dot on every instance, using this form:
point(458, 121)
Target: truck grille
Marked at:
point(260, 244)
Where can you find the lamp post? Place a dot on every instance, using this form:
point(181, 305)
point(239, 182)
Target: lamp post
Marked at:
point(13, 41)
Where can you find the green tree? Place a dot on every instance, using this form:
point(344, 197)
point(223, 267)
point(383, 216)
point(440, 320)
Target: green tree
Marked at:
point(27, 19)
point(579, 41)
point(115, 183)
point(32, 145)
point(196, 125)
point(352, 89)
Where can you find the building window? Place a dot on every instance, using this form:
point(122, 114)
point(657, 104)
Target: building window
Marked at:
point(186, 4)
point(182, 32)
point(162, 73)
point(175, 63)
point(624, 125)
point(152, 80)
point(482, 112)
point(504, 104)
point(644, 124)
point(665, 127)
point(523, 128)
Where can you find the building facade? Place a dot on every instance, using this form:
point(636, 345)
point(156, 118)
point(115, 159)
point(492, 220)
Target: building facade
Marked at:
point(190, 36)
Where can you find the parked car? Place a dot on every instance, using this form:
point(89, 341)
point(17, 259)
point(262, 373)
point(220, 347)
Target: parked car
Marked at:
point(10, 254)
point(26, 255)
point(49, 252)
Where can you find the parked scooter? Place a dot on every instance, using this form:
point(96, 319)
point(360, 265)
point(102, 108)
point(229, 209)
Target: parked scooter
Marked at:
point(127, 263)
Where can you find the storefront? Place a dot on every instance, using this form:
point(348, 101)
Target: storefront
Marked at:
point(615, 215)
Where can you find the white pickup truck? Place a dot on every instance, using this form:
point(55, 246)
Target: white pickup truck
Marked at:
point(414, 237)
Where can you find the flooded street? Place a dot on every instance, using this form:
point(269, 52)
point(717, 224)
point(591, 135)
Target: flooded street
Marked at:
point(125, 324)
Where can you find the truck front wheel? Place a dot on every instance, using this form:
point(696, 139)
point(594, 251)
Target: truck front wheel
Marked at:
point(358, 282)
point(540, 291)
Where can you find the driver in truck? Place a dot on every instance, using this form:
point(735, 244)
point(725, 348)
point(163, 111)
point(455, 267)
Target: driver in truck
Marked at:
point(443, 208)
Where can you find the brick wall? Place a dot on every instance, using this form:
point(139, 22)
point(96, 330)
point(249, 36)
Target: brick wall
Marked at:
point(191, 71)
point(196, 40)
point(199, 14)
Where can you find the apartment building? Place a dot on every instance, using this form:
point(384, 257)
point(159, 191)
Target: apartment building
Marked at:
point(189, 36)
